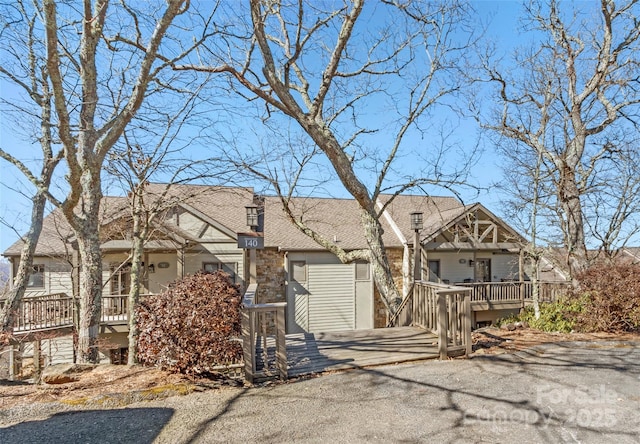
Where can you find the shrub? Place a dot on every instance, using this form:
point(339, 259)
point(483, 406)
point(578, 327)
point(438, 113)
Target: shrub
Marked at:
point(558, 316)
point(193, 326)
point(612, 295)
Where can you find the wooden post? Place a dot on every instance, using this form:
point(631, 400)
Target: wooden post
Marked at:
point(253, 274)
point(180, 263)
point(521, 276)
point(281, 345)
point(36, 362)
point(416, 256)
point(466, 325)
point(442, 325)
point(248, 346)
point(145, 281)
point(424, 260)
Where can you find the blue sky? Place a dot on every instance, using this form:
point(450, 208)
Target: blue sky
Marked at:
point(15, 207)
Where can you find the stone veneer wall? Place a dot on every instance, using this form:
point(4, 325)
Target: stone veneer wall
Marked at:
point(380, 314)
point(271, 277)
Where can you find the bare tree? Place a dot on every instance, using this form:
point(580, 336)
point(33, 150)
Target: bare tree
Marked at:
point(361, 83)
point(612, 203)
point(102, 62)
point(31, 79)
point(572, 97)
point(154, 149)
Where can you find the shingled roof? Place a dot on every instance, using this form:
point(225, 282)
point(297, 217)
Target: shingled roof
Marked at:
point(57, 234)
point(224, 205)
point(339, 220)
point(437, 211)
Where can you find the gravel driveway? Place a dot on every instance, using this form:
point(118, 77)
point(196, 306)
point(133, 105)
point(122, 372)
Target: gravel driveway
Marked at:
point(572, 392)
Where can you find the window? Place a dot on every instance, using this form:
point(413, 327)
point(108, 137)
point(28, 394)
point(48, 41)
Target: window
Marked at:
point(483, 270)
point(120, 279)
point(230, 269)
point(362, 271)
point(212, 267)
point(36, 279)
point(119, 356)
point(298, 271)
point(434, 270)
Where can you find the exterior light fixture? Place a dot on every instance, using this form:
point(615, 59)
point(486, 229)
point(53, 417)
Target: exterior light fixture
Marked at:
point(152, 268)
point(416, 221)
point(252, 216)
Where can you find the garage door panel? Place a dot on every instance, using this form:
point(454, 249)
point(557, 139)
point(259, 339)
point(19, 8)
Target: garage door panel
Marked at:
point(331, 298)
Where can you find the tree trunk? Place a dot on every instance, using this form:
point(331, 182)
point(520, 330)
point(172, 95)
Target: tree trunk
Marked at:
point(569, 199)
point(134, 293)
point(380, 262)
point(535, 286)
point(91, 269)
point(373, 230)
point(21, 278)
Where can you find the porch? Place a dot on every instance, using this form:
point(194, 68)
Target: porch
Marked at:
point(57, 313)
point(309, 353)
point(511, 294)
point(433, 322)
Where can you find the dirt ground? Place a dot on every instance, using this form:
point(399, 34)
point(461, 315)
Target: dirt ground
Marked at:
point(116, 385)
point(492, 340)
point(107, 385)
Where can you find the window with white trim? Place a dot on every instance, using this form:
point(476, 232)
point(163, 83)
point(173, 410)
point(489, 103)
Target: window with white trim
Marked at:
point(228, 267)
point(36, 278)
point(298, 271)
point(363, 272)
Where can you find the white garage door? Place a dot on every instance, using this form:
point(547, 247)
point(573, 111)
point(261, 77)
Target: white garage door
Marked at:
point(321, 295)
point(331, 297)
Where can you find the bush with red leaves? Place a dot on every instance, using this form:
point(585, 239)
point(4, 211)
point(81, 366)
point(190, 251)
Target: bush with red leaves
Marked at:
point(611, 295)
point(193, 326)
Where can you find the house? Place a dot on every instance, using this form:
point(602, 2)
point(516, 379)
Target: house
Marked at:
point(185, 238)
point(460, 244)
point(198, 229)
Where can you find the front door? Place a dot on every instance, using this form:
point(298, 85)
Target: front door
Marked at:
point(298, 297)
point(483, 270)
point(120, 279)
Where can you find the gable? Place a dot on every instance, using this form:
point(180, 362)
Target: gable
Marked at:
point(192, 224)
point(475, 228)
point(212, 233)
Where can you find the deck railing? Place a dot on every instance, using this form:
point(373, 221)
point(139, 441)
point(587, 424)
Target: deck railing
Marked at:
point(547, 291)
point(514, 291)
point(263, 338)
point(442, 309)
point(44, 312)
point(36, 313)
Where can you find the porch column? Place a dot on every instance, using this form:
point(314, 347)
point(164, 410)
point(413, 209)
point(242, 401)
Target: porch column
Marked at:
point(424, 269)
point(521, 275)
point(253, 273)
point(417, 269)
point(145, 281)
point(180, 263)
point(416, 226)
point(181, 259)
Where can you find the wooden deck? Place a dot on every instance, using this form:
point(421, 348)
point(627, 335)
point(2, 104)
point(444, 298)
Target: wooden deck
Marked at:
point(321, 352)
